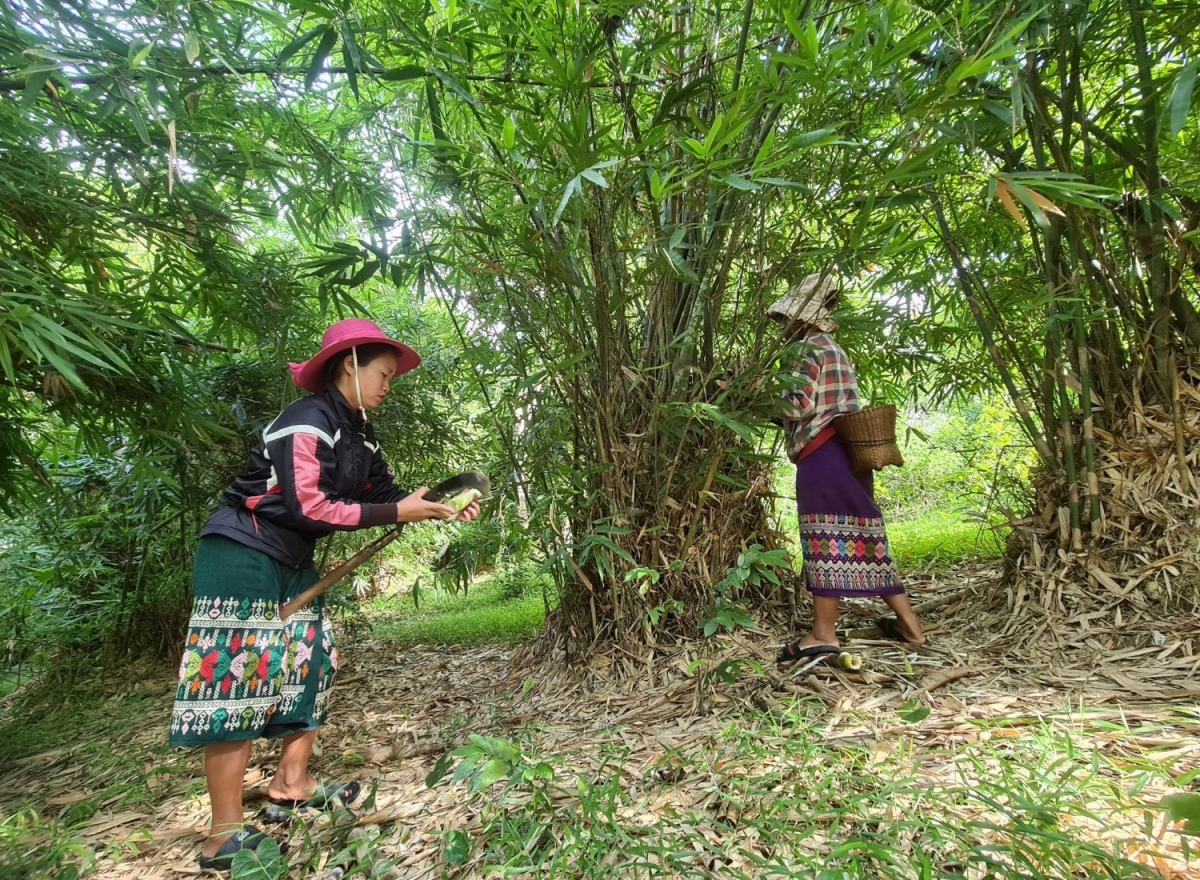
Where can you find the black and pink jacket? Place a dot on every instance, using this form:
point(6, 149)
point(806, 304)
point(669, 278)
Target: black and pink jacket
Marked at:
point(316, 470)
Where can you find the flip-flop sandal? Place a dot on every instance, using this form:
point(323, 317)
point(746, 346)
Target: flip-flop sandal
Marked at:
point(248, 838)
point(889, 629)
point(792, 652)
point(327, 795)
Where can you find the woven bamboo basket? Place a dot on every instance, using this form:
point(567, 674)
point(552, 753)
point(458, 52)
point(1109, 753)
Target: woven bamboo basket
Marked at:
point(870, 438)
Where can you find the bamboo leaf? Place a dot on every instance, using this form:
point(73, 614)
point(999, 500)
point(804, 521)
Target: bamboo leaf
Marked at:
point(493, 770)
point(350, 56)
point(1179, 101)
point(595, 177)
point(328, 39)
point(1044, 203)
point(738, 182)
point(400, 74)
point(34, 83)
point(297, 44)
point(452, 84)
point(571, 188)
point(1005, 194)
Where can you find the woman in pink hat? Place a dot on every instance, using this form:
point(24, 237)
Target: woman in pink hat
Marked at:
point(246, 674)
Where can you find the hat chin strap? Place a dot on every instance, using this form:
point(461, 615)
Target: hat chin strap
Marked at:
point(357, 390)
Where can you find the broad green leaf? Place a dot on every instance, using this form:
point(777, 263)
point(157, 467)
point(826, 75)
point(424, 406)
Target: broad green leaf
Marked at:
point(34, 83)
point(191, 47)
point(263, 863)
point(456, 848)
point(466, 767)
point(595, 177)
point(490, 772)
point(1183, 807)
point(738, 182)
point(439, 771)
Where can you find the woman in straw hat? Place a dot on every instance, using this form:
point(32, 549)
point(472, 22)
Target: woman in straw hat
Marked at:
point(245, 673)
point(842, 535)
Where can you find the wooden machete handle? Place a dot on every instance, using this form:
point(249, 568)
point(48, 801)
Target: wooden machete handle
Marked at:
point(340, 572)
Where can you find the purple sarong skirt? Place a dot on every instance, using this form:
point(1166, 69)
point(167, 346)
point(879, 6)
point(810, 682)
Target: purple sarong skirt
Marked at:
point(841, 529)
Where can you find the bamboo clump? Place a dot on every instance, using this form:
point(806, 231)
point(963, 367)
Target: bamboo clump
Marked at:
point(1142, 561)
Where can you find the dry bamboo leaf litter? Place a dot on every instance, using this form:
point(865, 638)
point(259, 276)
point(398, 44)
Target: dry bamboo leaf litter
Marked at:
point(396, 713)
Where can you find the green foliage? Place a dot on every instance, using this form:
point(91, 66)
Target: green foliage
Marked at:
point(1185, 808)
point(482, 616)
point(912, 712)
point(1025, 807)
point(262, 863)
point(593, 207)
point(939, 540)
point(34, 849)
point(969, 457)
point(517, 580)
point(485, 761)
point(754, 566)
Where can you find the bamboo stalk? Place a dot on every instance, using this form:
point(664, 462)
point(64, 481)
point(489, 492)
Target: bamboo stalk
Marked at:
point(1185, 475)
point(1069, 464)
point(1157, 264)
point(1085, 403)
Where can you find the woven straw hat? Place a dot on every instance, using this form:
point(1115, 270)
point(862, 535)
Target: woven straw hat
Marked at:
point(810, 301)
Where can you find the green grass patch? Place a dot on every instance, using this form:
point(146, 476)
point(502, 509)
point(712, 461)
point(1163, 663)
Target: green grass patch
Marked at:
point(486, 614)
point(937, 540)
point(928, 541)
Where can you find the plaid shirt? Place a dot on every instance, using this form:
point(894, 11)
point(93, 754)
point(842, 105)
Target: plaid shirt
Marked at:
point(828, 389)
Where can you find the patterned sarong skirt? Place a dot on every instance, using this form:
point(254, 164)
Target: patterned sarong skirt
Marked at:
point(245, 673)
point(842, 534)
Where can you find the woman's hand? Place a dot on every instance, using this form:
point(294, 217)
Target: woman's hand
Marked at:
point(415, 508)
point(469, 512)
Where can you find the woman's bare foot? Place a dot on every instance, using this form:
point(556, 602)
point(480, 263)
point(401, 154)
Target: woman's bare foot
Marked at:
point(813, 639)
point(906, 625)
point(292, 789)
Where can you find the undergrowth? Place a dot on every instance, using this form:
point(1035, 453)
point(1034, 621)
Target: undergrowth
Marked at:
point(507, 606)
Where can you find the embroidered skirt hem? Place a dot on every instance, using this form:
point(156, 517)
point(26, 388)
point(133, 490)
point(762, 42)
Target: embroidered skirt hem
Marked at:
point(245, 673)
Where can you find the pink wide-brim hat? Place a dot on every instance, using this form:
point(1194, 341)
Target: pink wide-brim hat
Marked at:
point(341, 337)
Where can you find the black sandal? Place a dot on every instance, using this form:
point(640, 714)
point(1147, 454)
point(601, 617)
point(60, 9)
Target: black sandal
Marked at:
point(792, 651)
point(248, 838)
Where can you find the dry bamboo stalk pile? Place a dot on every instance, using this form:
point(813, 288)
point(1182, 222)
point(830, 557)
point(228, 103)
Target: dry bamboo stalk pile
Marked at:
point(1133, 582)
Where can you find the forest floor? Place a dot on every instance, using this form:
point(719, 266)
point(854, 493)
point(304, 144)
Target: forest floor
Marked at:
point(958, 759)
